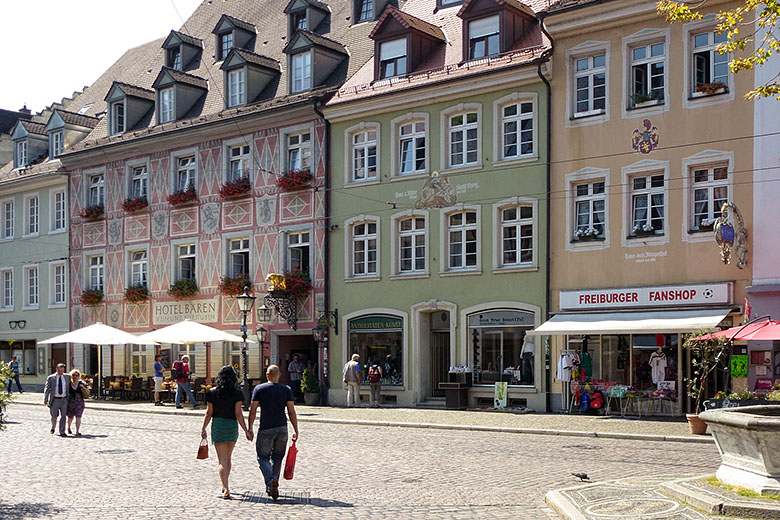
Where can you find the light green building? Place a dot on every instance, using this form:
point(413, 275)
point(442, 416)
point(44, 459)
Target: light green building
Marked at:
point(438, 205)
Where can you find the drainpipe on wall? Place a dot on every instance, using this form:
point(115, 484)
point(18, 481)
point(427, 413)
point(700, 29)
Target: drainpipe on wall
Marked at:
point(545, 58)
point(325, 386)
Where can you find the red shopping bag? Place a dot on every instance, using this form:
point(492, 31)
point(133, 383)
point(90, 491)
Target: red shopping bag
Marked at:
point(289, 465)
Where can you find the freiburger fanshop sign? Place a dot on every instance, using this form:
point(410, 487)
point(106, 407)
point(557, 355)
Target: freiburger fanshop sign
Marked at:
point(660, 296)
point(168, 313)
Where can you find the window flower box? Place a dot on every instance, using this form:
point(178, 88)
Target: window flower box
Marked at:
point(136, 204)
point(182, 197)
point(586, 234)
point(644, 100)
point(91, 297)
point(710, 89)
point(295, 180)
point(298, 283)
point(235, 189)
point(94, 212)
point(643, 231)
point(183, 288)
point(233, 286)
point(136, 294)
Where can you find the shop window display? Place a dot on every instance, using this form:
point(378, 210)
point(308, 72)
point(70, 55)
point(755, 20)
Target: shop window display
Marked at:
point(502, 351)
point(24, 352)
point(378, 339)
point(654, 361)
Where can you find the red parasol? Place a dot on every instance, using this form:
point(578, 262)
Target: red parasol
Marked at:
point(760, 330)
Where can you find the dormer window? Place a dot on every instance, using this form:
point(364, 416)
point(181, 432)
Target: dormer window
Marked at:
point(167, 106)
point(225, 44)
point(236, 87)
point(483, 37)
point(246, 75)
point(366, 10)
point(392, 58)
point(177, 93)
point(233, 33)
point(173, 58)
point(57, 144)
point(301, 72)
point(21, 154)
point(307, 15)
point(117, 125)
point(182, 51)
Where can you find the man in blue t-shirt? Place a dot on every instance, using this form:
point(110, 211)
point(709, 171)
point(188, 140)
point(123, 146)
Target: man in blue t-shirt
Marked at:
point(14, 375)
point(272, 398)
point(158, 379)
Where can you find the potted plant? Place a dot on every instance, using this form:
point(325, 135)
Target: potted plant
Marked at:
point(709, 89)
point(310, 387)
point(93, 212)
point(586, 234)
point(642, 230)
point(182, 197)
point(183, 288)
point(136, 294)
point(235, 189)
point(298, 283)
point(233, 286)
point(135, 204)
point(707, 352)
point(294, 180)
point(644, 99)
point(91, 297)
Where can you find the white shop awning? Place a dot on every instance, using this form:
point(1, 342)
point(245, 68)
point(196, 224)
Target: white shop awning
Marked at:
point(647, 322)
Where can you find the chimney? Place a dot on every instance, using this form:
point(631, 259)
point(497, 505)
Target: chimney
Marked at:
point(25, 110)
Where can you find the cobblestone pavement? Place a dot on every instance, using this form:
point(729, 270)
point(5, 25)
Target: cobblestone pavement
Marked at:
point(143, 466)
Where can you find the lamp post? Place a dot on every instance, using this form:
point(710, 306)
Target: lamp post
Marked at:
point(245, 304)
point(319, 335)
point(261, 334)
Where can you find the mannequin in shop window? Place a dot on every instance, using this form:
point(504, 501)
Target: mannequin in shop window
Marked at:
point(657, 364)
point(586, 361)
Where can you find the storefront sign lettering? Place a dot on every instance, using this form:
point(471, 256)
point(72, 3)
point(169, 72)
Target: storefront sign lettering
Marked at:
point(664, 296)
point(202, 311)
point(375, 323)
point(501, 319)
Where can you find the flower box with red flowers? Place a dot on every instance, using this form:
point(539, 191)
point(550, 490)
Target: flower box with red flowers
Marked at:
point(183, 288)
point(94, 212)
point(235, 188)
point(182, 197)
point(91, 297)
point(136, 294)
point(136, 204)
point(233, 286)
point(295, 180)
point(298, 283)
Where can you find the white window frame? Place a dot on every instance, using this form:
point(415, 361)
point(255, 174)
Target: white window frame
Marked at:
point(706, 158)
point(587, 49)
point(58, 224)
point(645, 168)
point(225, 42)
point(301, 72)
point(242, 249)
point(167, 98)
point(57, 143)
point(349, 256)
point(645, 37)
point(245, 157)
point(445, 269)
point(98, 270)
point(349, 148)
point(58, 289)
point(21, 150)
point(137, 174)
point(192, 252)
point(8, 218)
point(498, 235)
point(7, 289)
point(515, 98)
point(143, 265)
point(288, 246)
point(99, 188)
point(590, 176)
point(395, 157)
point(115, 127)
point(236, 80)
point(175, 167)
point(446, 117)
point(32, 293)
point(395, 249)
point(692, 99)
point(32, 215)
point(304, 148)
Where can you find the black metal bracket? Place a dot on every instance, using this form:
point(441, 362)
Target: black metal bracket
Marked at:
point(286, 306)
point(332, 317)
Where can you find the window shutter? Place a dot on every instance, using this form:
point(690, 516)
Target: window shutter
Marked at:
point(392, 49)
point(483, 27)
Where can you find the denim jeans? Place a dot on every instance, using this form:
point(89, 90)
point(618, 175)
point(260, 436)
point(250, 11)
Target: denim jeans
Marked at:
point(271, 445)
point(18, 384)
point(181, 388)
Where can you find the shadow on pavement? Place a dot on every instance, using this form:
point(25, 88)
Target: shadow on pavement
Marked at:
point(27, 510)
point(322, 502)
point(89, 436)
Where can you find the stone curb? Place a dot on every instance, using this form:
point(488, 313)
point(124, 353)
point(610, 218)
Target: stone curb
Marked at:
point(563, 506)
point(456, 427)
point(718, 505)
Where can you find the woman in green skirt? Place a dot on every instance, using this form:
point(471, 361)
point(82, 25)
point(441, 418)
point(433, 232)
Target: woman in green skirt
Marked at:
point(224, 412)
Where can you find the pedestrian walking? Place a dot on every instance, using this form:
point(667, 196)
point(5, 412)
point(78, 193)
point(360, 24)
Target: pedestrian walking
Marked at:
point(158, 379)
point(181, 374)
point(55, 396)
point(76, 400)
point(273, 398)
point(14, 364)
point(223, 411)
point(295, 368)
point(351, 377)
point(375, 382)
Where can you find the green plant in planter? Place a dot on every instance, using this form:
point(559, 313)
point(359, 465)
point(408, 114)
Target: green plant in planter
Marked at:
point(5, 396)
point(183, 288)
point(309, 383)
point(707, 352)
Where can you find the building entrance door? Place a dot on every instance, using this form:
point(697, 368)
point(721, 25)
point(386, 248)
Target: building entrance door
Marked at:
point(59, 354)
point(440, 360)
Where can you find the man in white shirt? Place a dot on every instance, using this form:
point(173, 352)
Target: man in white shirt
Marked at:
point(55, 396)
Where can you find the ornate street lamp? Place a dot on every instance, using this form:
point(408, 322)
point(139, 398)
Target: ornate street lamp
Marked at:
point(262, 334)
point(245, 304)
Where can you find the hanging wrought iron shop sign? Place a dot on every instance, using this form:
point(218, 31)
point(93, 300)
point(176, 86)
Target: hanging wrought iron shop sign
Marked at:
point(731, 235)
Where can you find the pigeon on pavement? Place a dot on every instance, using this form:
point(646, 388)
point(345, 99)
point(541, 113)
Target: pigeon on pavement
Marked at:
point(582, 476)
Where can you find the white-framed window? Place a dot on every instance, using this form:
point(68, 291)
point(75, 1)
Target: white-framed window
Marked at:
point(238, 257)
point(301, 72)
point(364, 154)
point(139, 181)
point(31, 286)
point(21, 154)
point(298, 247)
point(463, 138)
point(648, 207)
point(462, 239)
point(590, 84)
point(59, 286)
point(483, 37)
point(412, 244)
point(139, 268)
point(167, 105)
point(57, 143)
point(648, 73)
point(517, 130)
point(117, 109)
point(225, 44)
point(7, 279)
point(589, 209)
point(708, 66)
point(8, 208)
point(97, 186)
point(364, 259)
point(185, 261)
point(710, 186)
point(236, 87)
point(365, 10)
point(299, 151)
point(392, 58)
point(412, 144)
point(239, 162)
point(186, 167)
point(518, 241)
point(32, 214)
point(59, 210)
point(138, 359)
point(96, 271)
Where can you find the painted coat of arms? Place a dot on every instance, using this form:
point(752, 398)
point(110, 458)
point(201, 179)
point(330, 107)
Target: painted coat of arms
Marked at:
point(437, 192)
point(645, 141)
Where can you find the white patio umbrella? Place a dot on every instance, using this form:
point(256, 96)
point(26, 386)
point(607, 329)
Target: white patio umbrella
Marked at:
point(189, 332)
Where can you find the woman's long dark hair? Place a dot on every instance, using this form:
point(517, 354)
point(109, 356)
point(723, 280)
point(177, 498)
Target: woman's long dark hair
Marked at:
point(227, 381)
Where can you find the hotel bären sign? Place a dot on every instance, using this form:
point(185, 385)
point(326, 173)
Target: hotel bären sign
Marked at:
point(168, 313)
point(661, 296)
